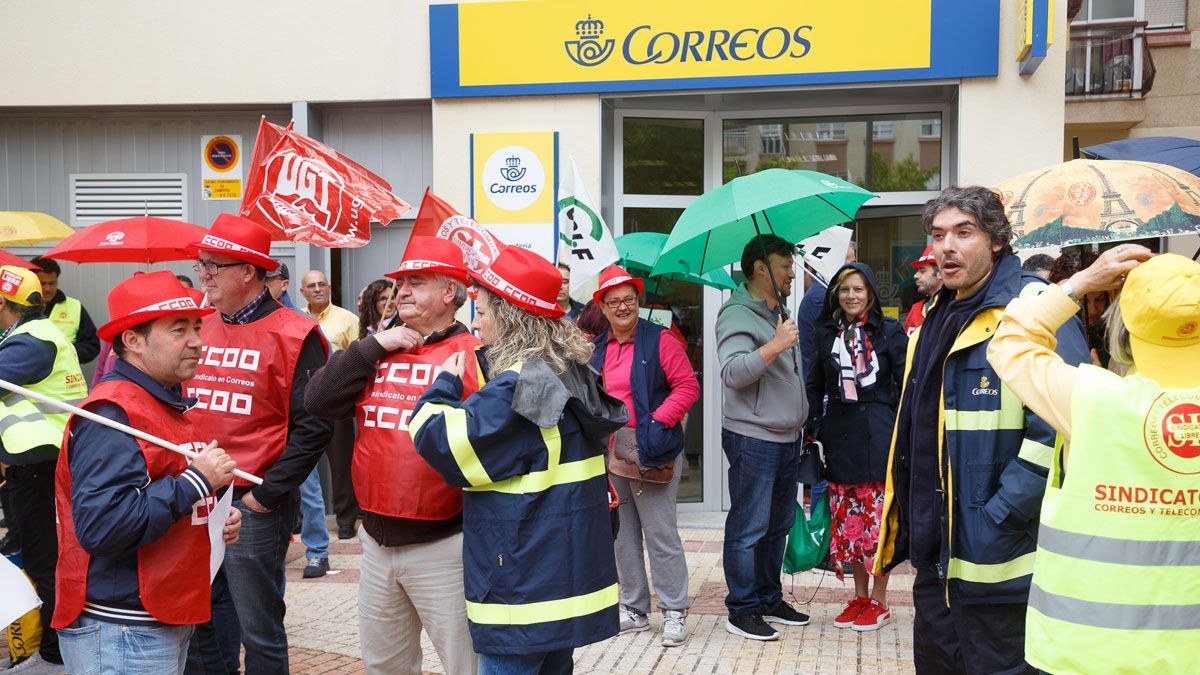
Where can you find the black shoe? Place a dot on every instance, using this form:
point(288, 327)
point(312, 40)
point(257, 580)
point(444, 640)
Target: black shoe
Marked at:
point(10, 545)
point(783, 613)
point(751, 626)
point(316, 567)
point(346, 532)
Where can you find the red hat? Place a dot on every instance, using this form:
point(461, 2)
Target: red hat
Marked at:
point(195, 294)
point(432, 254)
point(240, 238)
point(615, 276)
point(925, 259)
point(146, 297)
point(525, 279)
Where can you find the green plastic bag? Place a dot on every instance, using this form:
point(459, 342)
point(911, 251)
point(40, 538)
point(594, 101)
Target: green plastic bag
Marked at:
point(808, 542)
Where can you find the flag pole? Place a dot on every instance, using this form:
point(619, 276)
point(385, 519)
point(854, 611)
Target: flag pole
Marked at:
point(67, 407)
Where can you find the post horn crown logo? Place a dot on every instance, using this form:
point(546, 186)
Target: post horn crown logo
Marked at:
point(983, 382)
point(590, 49)
point(512, 171)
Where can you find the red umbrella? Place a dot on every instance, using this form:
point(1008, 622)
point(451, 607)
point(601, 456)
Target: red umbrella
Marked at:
point(143, 239)
point(7, 258)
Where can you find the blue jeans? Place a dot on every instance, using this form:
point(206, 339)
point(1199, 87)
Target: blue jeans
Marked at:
point(254, 570)
point(313, 531)
point(216, 647)
point(762, 509)
point(546, 663)
point(103, 648)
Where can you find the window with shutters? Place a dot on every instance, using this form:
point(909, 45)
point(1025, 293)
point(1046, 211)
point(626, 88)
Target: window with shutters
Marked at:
point(1166, 14)
point(97, 197)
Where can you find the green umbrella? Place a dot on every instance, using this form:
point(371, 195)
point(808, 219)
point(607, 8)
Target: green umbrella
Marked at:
point(640, 250)
point(793, 204)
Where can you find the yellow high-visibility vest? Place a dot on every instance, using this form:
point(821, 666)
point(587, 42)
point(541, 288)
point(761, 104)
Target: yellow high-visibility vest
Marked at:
point(25, 423)
point(1116, 582)
point(66, 315)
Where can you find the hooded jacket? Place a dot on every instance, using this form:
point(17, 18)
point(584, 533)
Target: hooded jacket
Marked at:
point(764, 402)
point(856, 436)
point(528, 450)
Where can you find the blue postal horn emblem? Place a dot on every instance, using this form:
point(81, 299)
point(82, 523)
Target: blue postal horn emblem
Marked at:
point(590, 49)
point(512, 171)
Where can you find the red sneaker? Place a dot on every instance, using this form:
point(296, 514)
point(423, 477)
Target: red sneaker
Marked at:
point(848, 615)
point(874, 616)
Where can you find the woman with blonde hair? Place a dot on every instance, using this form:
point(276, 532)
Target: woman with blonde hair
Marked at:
point(528, 449)
point(1115, 587)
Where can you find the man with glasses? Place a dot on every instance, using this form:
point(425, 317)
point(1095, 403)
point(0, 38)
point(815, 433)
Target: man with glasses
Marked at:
point(254, 367)
point(341, 328)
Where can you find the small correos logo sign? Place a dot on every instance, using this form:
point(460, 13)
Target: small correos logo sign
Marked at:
point(590, 49)
point(513, 177)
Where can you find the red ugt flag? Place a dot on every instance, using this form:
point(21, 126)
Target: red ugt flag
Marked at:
point(304, 191)
point(438, 219)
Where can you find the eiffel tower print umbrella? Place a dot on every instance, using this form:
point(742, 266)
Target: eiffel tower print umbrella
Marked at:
point(1088, 201)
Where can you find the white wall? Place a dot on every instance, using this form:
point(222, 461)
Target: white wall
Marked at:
point(139, 52)
point(1011, 124)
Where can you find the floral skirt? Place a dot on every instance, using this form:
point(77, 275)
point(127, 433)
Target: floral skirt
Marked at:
point(855, 511)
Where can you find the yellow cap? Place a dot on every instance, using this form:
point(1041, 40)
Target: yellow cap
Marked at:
point(1160, 304)
point(17, 285)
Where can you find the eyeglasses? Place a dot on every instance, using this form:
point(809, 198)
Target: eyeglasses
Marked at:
point(317, 285)
point(618, 303)
point(212, 268)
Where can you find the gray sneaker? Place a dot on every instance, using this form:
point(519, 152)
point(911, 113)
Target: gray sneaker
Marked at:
point(632, 622)
point(675, 631)
point(36, 665)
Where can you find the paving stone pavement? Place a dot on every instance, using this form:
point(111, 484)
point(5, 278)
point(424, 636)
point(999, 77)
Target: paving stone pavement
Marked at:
point(322, 623)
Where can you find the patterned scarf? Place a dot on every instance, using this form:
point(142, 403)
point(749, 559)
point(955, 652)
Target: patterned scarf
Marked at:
point(855, 357)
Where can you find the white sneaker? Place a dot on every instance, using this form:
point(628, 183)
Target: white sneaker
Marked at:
point(675, 631)
point(36, 665)
point(632, 622)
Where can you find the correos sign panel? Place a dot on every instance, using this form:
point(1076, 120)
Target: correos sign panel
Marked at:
point(550, 46)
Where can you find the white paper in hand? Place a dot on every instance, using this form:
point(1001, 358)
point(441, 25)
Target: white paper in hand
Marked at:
point(19, 596)
point(216, 537)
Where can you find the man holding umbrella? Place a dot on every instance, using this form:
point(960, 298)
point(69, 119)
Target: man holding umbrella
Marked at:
point(764, 409)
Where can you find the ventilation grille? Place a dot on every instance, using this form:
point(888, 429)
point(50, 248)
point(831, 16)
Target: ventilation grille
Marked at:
point(96, 197)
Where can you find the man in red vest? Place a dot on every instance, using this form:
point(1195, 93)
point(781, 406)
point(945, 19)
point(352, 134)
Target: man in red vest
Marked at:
point(928, 281)
point(254, 366)
point(133, 543)
point(412, 570)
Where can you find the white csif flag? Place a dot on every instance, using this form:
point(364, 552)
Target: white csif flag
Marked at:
point(19, 596)
point(825, 251)
point(586, 244)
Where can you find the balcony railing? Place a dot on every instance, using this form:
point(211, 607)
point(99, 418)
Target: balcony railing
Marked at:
point(1109, 65)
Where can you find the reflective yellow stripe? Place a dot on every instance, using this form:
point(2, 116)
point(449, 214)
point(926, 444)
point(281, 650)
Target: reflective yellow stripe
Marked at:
point(985, 420)
point(456, 436)
point(1037, 453)
point(541, 612)
point(554, 474)
point(991, 574)
point(540, 481)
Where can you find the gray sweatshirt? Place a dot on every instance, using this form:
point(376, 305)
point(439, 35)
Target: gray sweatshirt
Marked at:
point(760, 401)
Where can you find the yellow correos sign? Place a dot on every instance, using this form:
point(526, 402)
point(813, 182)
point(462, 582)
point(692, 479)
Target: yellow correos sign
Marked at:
point(536, 41)
point(513, 183)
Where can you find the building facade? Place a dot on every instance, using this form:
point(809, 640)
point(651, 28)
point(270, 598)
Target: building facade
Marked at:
point(110, 110)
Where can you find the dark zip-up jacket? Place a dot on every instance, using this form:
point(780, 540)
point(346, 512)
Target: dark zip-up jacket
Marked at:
point(993, 456)
point(856, 436)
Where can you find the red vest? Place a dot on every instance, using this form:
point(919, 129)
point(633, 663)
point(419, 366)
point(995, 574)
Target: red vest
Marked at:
point(243, 385)
point(173, 570)
point(916, 317)
point(390, 478)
